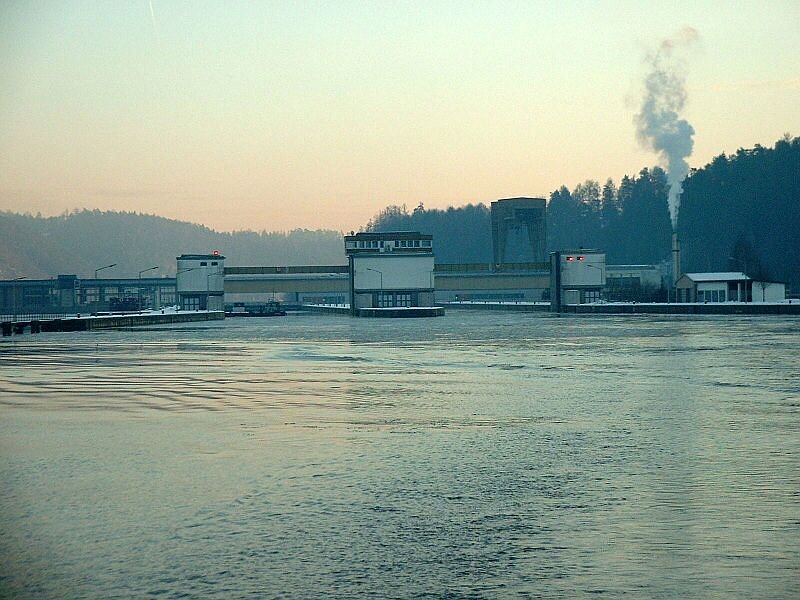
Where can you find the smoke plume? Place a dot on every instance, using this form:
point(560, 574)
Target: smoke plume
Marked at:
point(658, 124)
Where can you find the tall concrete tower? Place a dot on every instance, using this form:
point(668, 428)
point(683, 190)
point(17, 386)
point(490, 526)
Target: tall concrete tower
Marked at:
point(521, 220)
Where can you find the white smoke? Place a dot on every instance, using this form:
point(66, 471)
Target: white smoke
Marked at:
point(658, 124)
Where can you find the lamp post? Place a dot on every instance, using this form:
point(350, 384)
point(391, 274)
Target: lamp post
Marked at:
point(742, 292)
point(140, 283)
point(380, 297)
point(591, 266)
point(97, 270)
point(178, 288)
point(208, 288)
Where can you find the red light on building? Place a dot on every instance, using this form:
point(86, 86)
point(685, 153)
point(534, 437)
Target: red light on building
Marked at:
point(570, 258)
point(581, 258)
point(215, 253)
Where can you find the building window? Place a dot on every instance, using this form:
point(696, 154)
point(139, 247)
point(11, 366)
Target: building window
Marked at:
point(191, 303)
point(426, 243)
point(91, 295)
point(203, 264)
point(591, 296)
point(167, 295)
point(385, 300)
point(416, 243)
point(214, 263)
point(403, 300)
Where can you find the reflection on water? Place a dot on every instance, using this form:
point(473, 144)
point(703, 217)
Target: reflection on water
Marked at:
point(475, 455)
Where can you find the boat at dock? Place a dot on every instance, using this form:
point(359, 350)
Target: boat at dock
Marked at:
point(272, 308)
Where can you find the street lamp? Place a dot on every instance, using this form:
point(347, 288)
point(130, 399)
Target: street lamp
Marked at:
point(178, 287)
point(146, 270)
point(379, 273)
point(96, 271)
point(208, 288)
point(380, 298)
point(140, 283)
point(739, 291)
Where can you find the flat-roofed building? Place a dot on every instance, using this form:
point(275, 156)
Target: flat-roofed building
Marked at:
point(733, 286)
point(634, 283)
point(200, 281)
point(576, 277)
point(390, 270)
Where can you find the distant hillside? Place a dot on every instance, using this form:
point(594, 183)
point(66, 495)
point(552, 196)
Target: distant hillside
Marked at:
point(82, 241)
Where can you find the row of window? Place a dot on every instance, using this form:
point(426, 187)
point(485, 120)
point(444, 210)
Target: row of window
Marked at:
point(590, 296)
point(205, 263)
point(392, 243)
point(193, 303)
point(711, 296)
point(92, 295)
point(390, 300)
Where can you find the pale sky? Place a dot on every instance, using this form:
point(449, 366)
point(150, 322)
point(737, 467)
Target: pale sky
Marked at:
point(283, 115)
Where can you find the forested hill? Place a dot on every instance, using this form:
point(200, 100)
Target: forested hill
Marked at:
point(740, 212)
point(80, 242)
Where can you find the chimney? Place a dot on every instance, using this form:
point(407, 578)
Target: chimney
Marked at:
point(676, 258)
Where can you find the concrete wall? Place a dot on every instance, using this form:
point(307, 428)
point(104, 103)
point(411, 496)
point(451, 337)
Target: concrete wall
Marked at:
point(268, 284)
point(450, 287)
point(765, 291)
point(583, 270)
point(193, 278)
point(393, 272)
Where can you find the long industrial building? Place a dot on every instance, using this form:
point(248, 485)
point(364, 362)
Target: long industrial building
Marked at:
point(520, 272)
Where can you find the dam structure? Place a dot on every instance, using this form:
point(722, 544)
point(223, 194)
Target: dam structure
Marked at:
point(330, 285)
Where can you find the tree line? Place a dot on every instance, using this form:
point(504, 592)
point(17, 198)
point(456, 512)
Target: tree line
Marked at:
point(740, 212)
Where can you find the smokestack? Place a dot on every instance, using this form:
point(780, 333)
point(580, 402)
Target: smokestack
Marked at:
point(676, 258)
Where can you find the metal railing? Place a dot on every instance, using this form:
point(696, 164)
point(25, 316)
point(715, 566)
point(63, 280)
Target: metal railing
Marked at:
point(28, 315)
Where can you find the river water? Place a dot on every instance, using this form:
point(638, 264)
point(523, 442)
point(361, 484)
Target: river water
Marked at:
point(478, 455)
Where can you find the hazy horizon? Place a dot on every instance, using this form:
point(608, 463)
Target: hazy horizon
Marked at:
point(280, 116)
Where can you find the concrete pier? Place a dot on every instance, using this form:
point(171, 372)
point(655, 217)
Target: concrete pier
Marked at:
point(721, 308)
point(506, 306)
point(712, 308)
point(88, 323)
point(398, 312)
